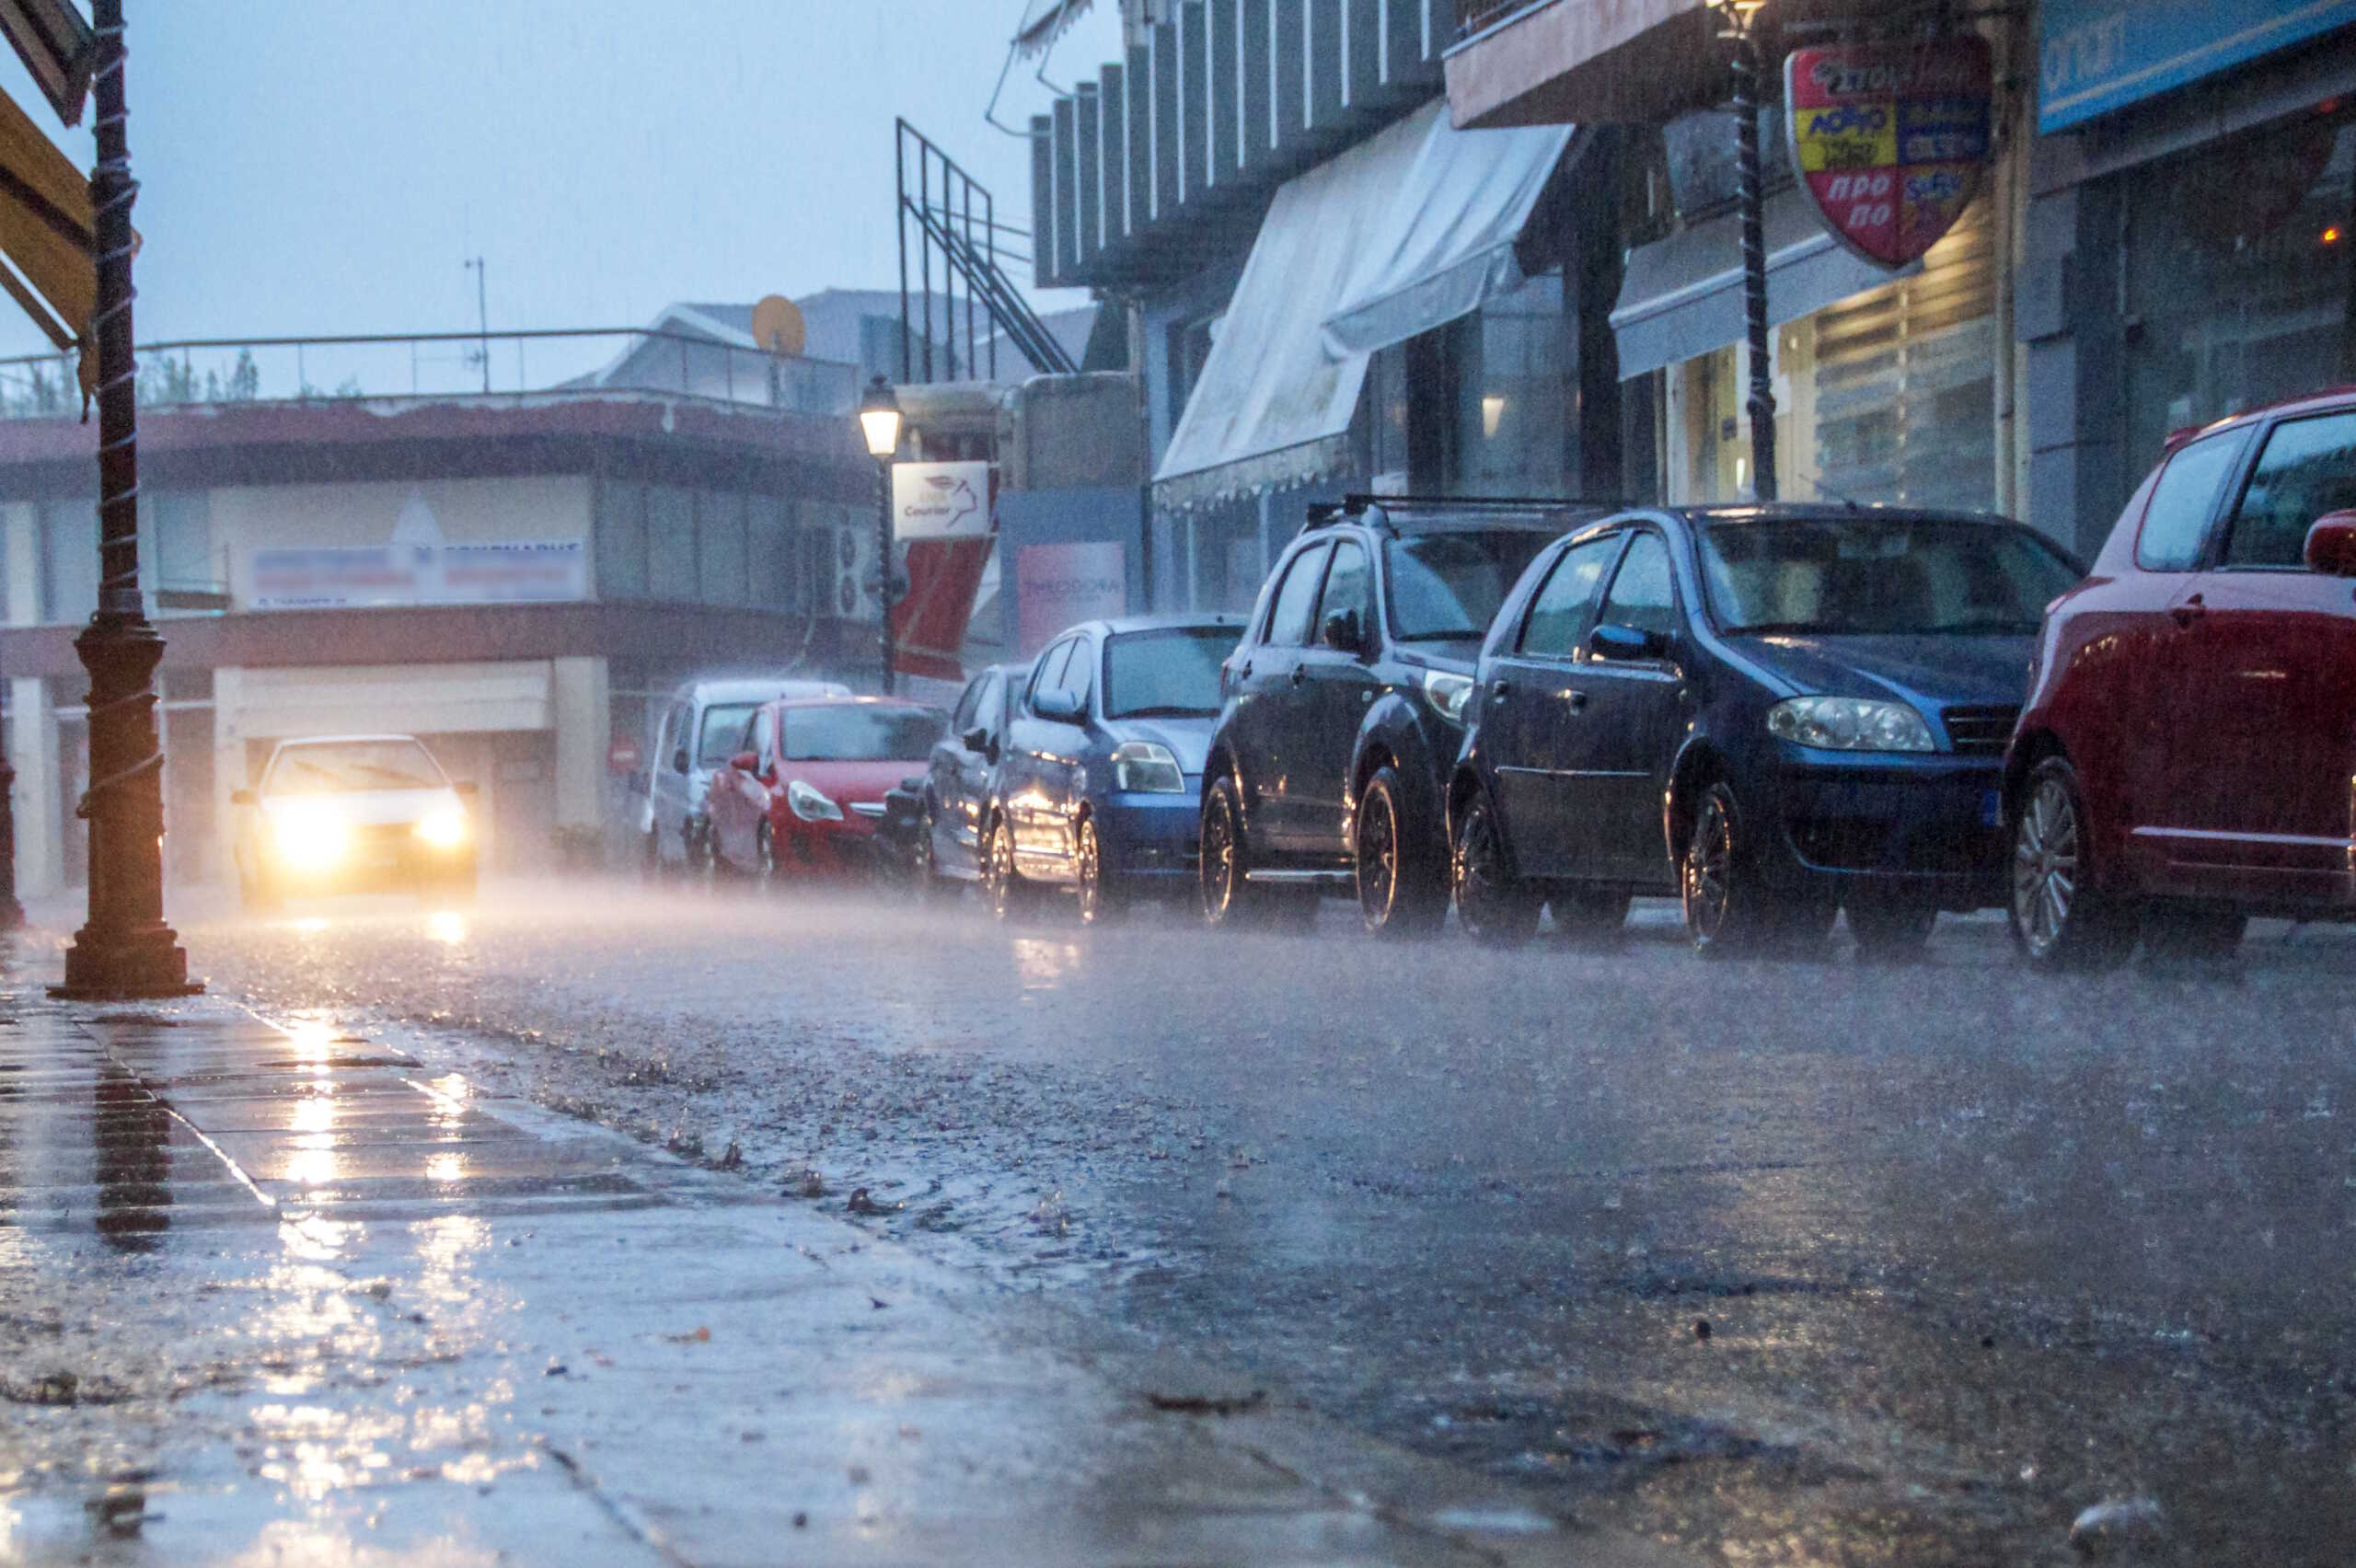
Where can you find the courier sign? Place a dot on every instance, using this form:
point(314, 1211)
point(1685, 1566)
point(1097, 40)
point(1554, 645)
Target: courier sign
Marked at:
point(1889, 139)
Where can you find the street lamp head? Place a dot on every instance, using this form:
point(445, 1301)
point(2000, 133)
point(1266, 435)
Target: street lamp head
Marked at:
point(879, 419)
point(1738, 16)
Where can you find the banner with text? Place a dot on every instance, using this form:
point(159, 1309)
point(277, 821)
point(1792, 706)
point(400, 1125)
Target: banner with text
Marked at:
point(382, 576)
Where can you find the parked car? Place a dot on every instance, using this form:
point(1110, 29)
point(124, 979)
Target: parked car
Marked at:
point(803, 792)
point(1772, 712)
point(2184, 760)
point(1098, 788)
point(959, 776)
point(352, 813)
point(1343, 708)
point(700, 728)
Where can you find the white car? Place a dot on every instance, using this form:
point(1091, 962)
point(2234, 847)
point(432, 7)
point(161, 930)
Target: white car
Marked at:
point(700, 728)
point(351, 814)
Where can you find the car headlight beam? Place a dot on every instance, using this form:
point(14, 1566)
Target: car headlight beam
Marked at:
point(1145, 768)
point(1850, 723)
point(310, 836)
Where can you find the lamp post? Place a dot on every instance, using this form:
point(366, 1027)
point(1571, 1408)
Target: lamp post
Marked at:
point(879, 422)
point(124, 949)
point(1739, 22)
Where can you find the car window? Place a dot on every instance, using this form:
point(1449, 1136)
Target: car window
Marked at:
point(762, 741)
point(2306, 468)
point(1869, 574)
point(724, 732)
point(675, 737)
point(2184, 500)
point(1446, 587)
point(1079, 676)
point(969, 702)
point(988, 713)
point(1047, 671)
point(1288, 619)
point(1558, 613)
point(1165, 674)
point(860, 733)
point(1349, 587)
point(1642, 596)
point(340, 767)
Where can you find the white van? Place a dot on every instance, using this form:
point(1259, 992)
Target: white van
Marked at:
point(701, 726)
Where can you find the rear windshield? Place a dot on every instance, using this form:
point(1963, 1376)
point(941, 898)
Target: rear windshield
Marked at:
point(1447, 586)
point(345, 765)
point(864, 733)
point(1174, 672)
point(1874, 577)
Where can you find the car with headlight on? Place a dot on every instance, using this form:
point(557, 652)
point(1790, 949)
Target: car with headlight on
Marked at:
point(1342, 708)
point(353, 813)
point(804, 793)
point(1775, 713)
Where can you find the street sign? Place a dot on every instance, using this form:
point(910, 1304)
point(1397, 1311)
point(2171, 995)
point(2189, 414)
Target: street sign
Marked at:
point(1889, 140)
point(940, 500)
point(57, 46)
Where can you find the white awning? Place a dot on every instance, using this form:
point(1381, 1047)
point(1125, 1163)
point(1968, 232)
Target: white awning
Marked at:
point(1683, 295)
point(1399, 234)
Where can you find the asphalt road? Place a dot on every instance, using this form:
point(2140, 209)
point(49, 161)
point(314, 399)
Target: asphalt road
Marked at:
point(1797, 1261)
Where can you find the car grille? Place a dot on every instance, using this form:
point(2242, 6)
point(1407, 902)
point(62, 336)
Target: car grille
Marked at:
point(1980, 731)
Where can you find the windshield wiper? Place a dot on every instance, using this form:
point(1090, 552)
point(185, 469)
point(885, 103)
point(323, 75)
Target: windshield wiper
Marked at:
point(1783, 629)
point(1463, 634)
point(1989, 626)
point(1166, 710)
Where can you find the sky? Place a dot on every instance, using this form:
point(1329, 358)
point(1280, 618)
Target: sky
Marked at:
point(328, 166)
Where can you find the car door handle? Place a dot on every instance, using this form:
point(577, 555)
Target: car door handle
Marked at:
point(1243, 671)
point(1298, 674)
point(2191, 610)
point(1497, 692)
point(1577, 701)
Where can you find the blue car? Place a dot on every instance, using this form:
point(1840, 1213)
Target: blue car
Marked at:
point(1772, 713)
point(960, 780)
point(1098, 789)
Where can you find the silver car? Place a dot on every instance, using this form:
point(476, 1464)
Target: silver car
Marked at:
point(701, 726)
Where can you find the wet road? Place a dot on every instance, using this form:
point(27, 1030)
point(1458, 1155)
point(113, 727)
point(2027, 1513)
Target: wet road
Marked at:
point(1798, 1261)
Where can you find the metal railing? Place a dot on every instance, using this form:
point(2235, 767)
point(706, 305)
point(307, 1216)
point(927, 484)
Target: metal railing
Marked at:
point(955, 219)
point(496, 368)
point(1474, 15)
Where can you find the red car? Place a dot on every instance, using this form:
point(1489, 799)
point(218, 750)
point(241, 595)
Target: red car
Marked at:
point(803, 795)
point(2188, 757)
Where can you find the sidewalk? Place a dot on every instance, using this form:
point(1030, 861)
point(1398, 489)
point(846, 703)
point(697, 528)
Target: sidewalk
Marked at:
point(289, 1297)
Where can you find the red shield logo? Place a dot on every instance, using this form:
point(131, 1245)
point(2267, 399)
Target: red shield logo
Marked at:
point(1890, 139)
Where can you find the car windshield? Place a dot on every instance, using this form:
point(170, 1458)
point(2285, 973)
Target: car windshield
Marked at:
point(1870, 576)
point(345, 765)
point(724, 724)
point(866, 733)
point(1165, 672)
point(1447, 586)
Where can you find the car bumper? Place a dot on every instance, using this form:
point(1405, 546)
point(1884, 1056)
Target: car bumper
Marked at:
point(1154, 837)
point(1928, 824)
point(824, 850)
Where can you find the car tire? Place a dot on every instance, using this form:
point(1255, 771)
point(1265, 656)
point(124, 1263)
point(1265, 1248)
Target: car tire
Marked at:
point(1888, 926)
point(2061, 921)
point(1728, 910)
point(1101, 899)
point(1004, 889)
point(765, 877)
point(925, 876)
point(1495, 907)
point(1586, 917)
point(1231, 899)
point(1401, 892)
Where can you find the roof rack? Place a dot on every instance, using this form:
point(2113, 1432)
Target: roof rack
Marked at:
point(1325, 514)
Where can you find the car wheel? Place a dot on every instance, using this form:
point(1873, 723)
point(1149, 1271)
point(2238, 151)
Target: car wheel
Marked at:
point(924, 871)
point(1401, 893)
point(1728, 912)
point(1007, 894)
point(1230, 898)
point(1588, 914)
point(764, 879)
point(1890, 925)
point(1100, 902)
point(2192, 936)
point(2061, 920)
point(1495, 907)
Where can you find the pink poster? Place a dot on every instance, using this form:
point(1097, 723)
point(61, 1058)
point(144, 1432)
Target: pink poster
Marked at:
point(1055, 586)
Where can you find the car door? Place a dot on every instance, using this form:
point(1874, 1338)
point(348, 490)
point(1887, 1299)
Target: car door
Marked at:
point(1268, 699)
point(735, 801)
point(1333, 688)
point(1621, 743)
point(960, 774)
point(1033, 772)
point(1533, 708)
point(2261, 699)
point(1058, 751)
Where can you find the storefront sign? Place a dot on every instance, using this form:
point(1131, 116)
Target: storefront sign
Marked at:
point(2097, 55)
point(1889, 140)
point(940, 500)
point(1057, 585)
point(373, 576)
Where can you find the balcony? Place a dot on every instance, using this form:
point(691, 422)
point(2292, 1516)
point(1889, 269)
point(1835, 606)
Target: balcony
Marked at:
point(1583, 62)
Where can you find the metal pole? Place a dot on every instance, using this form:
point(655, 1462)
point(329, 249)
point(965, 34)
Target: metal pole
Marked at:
point(924, 248)
point(884, 561)
point(482, 319)
point(1762, 405)
point(900, 178)
point(125, 949)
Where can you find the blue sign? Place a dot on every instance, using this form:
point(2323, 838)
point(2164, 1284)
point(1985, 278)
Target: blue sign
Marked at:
point(2098, 55)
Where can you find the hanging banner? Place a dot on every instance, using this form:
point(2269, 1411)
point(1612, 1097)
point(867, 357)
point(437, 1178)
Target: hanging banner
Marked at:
point(1889, 140)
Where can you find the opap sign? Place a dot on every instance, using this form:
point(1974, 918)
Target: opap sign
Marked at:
point(1889, 140)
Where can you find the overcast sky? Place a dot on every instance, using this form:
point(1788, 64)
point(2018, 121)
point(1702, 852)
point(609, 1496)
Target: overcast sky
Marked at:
point(326, 165)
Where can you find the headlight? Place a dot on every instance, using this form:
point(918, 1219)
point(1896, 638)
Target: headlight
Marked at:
point(1146, 768)
point(1849, 723)
point(443, 827)
point(1448, 694)
point(310, 836)
point(806, 802)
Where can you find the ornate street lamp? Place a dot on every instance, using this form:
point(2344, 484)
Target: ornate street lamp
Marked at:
point(879, 422)
point(1738, 21)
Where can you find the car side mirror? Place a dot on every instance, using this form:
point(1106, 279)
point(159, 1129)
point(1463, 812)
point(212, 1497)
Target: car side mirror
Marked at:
point(679, 760)
point(1626, 644)
point(2331, 545)
point(745, 762)
point(976, 739)
point(1064, 706)
point(241, 797)
point(1342, 632)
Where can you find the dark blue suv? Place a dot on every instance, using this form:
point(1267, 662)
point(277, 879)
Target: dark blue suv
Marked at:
point(1775, 713)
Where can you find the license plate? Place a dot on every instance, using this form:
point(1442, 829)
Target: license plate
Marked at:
point(1992, 808)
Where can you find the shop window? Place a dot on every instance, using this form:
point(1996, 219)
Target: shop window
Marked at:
point(1511, 415)
point(621, 541)
point(69, 549)
point(670, 543)
point(1190, 350)
point(178, 539)
point(720, 546)
point(774, 584)
point(2235, 270)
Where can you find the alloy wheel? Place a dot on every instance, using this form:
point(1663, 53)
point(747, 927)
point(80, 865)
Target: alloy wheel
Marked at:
point(1709, 868)
point(1492, 903)
point(1090, 864)
point(1378, 859)
point(1218, 852)
point(1001, 859)
point(2045, 867)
